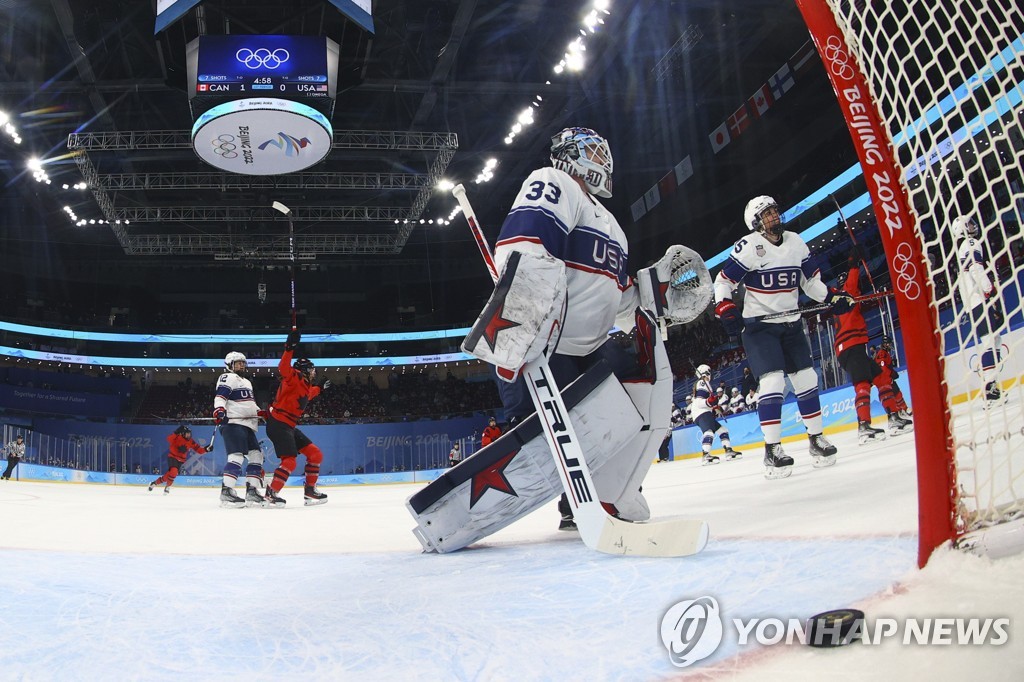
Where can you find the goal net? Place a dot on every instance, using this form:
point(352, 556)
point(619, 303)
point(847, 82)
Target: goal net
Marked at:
point(932, 92)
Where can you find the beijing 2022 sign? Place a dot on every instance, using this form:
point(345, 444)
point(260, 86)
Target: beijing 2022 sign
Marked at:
point(262, 136)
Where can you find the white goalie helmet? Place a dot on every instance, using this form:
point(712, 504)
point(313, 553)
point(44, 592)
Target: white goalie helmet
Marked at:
point(582, 153)
point(703, 371)
point(965, 227)
point(753, 214)
point(231, 358)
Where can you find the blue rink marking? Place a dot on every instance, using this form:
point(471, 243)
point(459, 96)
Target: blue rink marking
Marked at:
point(551, 610)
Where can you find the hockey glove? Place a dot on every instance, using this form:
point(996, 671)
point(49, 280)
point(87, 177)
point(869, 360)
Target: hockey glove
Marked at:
point(326, 385)
point(840, 301)
point(262, 414)
point(220, 416)
point(729, 315)
point(293, 339)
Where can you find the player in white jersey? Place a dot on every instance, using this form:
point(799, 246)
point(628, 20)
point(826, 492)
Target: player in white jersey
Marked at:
point(774, 265)
point(705, 405)
point(980, 297)
point(736, 403)
point(236, 413)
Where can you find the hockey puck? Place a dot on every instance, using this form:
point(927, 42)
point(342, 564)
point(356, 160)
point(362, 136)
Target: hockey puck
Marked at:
point(835, 628)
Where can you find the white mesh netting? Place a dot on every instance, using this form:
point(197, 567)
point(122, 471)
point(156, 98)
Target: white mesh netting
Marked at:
point(948, 79)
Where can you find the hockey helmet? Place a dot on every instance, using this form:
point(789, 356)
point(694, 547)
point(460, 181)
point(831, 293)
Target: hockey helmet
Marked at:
point(182, 430)
point(735, 390)
point(703, 371)
point(965, 227)
point(232, 358)
point(583, 153)
point(886, 343)
point(755, 212)
point(305, 367)
point(21, 437)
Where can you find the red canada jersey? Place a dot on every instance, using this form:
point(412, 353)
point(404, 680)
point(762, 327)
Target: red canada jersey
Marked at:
point(884, 359)
point(850, 327)
point(491, 434)
point(179, 447)
point(293, 394)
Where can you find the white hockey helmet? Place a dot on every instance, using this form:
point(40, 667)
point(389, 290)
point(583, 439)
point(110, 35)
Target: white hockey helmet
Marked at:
point(233, 357)
point(582, 153)
point(703, 371)
point(753, 214)
point(735, 390)
point(965, 227)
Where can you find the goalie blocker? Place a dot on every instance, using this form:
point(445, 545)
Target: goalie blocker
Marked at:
point(620, 424)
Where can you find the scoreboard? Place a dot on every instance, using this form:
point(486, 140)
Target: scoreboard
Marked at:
point(290, 67)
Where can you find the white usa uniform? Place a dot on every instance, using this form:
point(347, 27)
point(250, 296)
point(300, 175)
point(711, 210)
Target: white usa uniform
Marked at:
point(973, 282)
point(702, 393)
point(234, 394)
point(553, 213)
point(773, 275)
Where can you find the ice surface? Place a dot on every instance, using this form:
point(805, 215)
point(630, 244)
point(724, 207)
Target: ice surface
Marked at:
point(100, 582)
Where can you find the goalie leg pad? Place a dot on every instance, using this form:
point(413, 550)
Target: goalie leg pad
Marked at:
point(523, 314)
point(516, 474)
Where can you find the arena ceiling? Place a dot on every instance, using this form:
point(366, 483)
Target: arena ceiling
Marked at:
point(432, 93)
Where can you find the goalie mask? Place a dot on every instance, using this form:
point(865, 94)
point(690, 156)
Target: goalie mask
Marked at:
point(231, 361)
point(965, 227)
point(762, 215)
point(584, 154)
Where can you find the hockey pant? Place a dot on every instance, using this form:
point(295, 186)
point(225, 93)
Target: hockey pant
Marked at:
point(620, 425)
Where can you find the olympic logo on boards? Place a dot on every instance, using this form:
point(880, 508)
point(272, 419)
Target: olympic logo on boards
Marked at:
point(906, 272)
point(262, 57)
point(224, 145)
point(839, 60)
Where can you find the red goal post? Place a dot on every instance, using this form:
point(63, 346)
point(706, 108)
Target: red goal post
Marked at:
point(905, 73)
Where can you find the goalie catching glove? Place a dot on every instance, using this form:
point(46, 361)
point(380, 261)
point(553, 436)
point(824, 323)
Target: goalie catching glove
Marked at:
point(677, 288)
point(523, 315)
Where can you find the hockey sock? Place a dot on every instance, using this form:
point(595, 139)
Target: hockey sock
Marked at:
point(705, 444)
point(254, 475)
point(723, 436)
point(769, 406)
point(862, 401)
point(805, 385)
point(171, 474)
point(282, 472)
point(313, 458)
point(233, 469)
point(989, 362)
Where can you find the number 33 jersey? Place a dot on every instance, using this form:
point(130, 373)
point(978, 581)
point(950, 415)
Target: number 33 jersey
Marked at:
point(773, 275)
point(553, 213)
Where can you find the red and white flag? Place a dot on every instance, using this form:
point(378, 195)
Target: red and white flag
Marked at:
point(739, 121)
point(719, 137)
point(760, 101)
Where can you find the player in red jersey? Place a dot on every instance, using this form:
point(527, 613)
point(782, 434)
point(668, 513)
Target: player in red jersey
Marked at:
point(851, 350)
point(491, 433)
point(883, 356)
point(294, 393)
point(180, 443)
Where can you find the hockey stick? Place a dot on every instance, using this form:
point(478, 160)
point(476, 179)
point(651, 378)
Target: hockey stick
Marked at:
point(291, 249)
point(818, 307)
point(853, 240)
point(598, 529)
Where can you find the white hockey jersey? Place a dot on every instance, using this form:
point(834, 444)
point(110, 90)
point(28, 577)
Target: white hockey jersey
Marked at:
point(737, 403)
point(234, 394)
point(552, 213)
point(704, 398)
point(973, 280)
point(773, 275)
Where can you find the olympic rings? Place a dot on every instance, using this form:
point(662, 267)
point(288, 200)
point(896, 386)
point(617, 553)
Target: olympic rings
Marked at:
point(906, 272)
point(223, 145)
point(262, 57)
point(839, 60)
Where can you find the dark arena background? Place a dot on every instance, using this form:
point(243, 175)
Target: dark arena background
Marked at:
point(143, 148)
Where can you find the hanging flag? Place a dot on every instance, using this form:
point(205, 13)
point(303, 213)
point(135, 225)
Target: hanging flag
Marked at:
point(638, 209)
point(803, 59)
point(739, 121)
point(652, 197)
point(719, 137)
point(781, 82)
point(760, 101)
point(684, 170)
point(667, 184)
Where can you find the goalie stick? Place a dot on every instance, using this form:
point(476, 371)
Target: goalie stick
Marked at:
point(598, 529)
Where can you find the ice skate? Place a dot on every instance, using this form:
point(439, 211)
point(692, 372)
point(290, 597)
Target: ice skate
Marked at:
point(866, 433)
point(313, 497)
point(167, 489)
point(993, 394)
point(823, 452)
point(897, 425)
point(732, 454)
point(777, 464)
point(905, 415)
point(151, 485)
point(708, 458)
point(253, 497)
point(273, 499)
point(567, 523)
point(229, 498)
